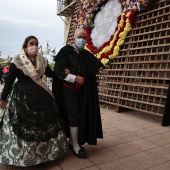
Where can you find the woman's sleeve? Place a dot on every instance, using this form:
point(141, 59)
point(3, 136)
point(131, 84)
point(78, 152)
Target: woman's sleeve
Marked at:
point(13, 71)
point(49, 72)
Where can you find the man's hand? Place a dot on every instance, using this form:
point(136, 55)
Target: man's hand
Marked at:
point(79, 80)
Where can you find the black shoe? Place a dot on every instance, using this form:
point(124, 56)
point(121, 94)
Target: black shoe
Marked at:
point(71, 147)
point(81, 154)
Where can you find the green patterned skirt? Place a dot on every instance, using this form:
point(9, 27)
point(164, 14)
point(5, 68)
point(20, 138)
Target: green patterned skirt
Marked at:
point(16, 150)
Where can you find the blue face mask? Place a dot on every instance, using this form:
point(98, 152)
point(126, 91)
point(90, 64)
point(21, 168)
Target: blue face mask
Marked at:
point(80, 43)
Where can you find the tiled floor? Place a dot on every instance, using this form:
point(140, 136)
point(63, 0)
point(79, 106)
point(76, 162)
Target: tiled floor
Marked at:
point(132, 141)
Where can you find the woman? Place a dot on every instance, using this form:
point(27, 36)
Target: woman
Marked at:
point(31, 129)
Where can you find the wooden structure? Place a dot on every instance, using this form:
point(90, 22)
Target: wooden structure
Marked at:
point(139, 77)
point(69, 13)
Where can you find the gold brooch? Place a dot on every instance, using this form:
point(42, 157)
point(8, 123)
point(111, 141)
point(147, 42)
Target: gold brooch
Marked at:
point(26, 63)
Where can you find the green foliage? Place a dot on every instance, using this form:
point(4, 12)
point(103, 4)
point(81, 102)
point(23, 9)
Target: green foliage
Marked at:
point(5, 62)
point(2, 60)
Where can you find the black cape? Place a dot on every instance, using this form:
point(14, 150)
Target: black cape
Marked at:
point(90, 123)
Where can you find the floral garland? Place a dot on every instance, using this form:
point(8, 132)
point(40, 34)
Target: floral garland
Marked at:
point(110, 49)
point(86, 12)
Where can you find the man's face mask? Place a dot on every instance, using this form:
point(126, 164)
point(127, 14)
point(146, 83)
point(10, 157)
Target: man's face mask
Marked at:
point(80, 43)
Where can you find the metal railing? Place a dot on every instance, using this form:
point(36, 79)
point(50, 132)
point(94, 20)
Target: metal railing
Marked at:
point(61, 4)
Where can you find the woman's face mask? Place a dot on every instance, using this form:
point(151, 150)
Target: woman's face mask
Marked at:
point(32, 50)
point(80, 43)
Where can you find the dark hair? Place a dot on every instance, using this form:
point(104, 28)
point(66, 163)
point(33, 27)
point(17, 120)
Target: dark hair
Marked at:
point(27, 40)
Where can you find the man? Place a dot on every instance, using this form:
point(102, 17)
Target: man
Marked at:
point(80, 93)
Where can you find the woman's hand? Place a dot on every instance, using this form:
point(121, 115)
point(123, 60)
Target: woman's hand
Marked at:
point(2, 104)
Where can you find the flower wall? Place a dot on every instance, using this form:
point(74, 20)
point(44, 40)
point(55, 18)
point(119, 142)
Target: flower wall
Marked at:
point(86, 14)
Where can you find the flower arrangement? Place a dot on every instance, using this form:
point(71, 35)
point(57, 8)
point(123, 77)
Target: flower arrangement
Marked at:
point(110, 49)
point(134, 4)
point(86, 12)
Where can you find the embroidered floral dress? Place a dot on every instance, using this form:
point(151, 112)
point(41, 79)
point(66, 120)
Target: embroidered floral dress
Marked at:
point(31, 129)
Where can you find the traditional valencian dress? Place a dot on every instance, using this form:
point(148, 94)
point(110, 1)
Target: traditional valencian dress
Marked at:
point(31, 129)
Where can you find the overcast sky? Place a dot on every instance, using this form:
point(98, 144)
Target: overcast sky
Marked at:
point(21, 18)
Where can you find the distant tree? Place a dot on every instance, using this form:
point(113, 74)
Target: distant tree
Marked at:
point(2, 60)
point(5, 62)
point(48, 50)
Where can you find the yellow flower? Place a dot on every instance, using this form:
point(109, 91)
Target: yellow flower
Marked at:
point(116, 48)
point(127, 29)
point(120, 24)
point(111, 56)
point(105, 61)
point(143, 1)
point(124, 3)
point(98, 56)
point(128, 25)
point(95, 55)
point(128, 14)
point(115, 54)
point(81, 18)
point(86, 48)
point(122, 14)
point(112, 41)
point(120, 42)
point(105, 50)
point(127, 20)
point(123, 34)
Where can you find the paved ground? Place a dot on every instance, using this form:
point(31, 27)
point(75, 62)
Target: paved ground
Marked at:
point(132, 141)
